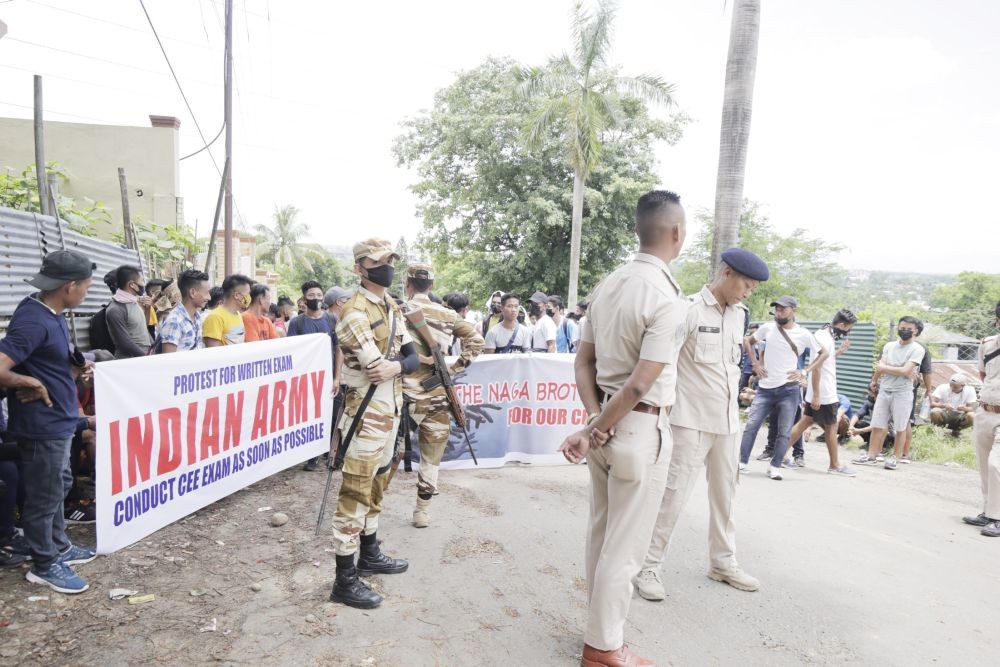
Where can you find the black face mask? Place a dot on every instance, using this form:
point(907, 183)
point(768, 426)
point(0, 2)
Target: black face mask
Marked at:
point(904, 334)
point(838, 333)
point(140, 289)
point(382, 275)
point(314, 304)
point(536, 310)
point(495, 308)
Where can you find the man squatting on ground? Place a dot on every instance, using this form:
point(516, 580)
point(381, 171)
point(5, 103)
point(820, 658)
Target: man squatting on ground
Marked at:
point(377, 351)
point(429, 408)
point(986, 435)
point(705, 421)
point(626, 371)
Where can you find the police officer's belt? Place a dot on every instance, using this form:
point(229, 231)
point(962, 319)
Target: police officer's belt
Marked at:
point(990, 408)
point(645, 408)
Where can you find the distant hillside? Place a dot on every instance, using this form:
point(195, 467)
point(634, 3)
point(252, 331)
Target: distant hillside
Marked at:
point(893, 287)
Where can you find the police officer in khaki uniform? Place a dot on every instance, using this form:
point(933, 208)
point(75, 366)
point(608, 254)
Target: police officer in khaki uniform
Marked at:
point(377, 351)
point(429, 408)
point(626, 373)
point(986, 435)
point(705, 421)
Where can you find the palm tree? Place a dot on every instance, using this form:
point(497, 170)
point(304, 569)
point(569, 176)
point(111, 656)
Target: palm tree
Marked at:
point(741, 68)
point(579, 97)
point(281, 243)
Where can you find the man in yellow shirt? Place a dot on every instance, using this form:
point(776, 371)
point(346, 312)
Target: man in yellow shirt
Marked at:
point(224, 325)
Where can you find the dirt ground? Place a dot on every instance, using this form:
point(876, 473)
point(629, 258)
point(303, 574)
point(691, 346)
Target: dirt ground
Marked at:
point(878, 569)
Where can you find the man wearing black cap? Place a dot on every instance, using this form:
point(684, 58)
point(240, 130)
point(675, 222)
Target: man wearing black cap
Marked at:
point(705, 422)
point(778, 370)
point(37, 367)
point(543, 336)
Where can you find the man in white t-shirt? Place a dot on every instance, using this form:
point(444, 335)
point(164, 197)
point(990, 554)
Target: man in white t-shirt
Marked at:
point(543, 335)
point(822, 406)
point(508, 335)
point(894, 377)
point(778, 370)
point(952, 404)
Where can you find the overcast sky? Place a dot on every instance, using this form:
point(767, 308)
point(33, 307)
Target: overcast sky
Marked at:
point(875, 124)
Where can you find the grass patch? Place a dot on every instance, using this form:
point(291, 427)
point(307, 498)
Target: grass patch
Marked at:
point(932, 444)
point(936, 445)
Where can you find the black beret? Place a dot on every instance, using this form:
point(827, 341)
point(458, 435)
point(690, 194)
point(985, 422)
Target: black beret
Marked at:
point(747, 263)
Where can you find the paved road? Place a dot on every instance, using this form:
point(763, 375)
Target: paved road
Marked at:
point(874, 570)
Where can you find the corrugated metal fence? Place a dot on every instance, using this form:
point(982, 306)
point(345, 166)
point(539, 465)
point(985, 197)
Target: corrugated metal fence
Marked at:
point(27, 237)
point(854, 367)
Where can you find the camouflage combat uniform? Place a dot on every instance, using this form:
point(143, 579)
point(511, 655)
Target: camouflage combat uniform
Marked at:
point(429, 409)
point(363, 331)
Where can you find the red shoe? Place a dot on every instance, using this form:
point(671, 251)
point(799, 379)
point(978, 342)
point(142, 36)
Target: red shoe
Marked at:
point(620, 657)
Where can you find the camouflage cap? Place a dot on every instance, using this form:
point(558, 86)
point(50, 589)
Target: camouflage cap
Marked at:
point(420, 271)
point(376, 249)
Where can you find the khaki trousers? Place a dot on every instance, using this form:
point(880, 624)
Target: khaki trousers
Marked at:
point(627, 478)
point(987, 438)
point(362, 488)
point(719, 454)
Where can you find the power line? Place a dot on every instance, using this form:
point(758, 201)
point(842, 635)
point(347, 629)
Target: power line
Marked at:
point(179, 87)
point(62, 113)
point(141, 31)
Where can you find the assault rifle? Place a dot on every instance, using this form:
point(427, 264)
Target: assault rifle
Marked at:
point(442, 376)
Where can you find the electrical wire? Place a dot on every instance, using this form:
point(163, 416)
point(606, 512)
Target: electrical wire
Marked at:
point(208, 145)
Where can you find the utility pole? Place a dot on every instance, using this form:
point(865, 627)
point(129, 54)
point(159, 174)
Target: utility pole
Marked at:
point(43, 200)
point(228, 175)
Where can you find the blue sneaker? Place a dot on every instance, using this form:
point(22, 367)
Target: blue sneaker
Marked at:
point(59, 577)
point(77, 555)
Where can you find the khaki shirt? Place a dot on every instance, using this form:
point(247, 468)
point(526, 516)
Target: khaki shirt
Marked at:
point(708, 368)
point(637, 312)
point(990, 392)
point(444, 325)
point(363, 331)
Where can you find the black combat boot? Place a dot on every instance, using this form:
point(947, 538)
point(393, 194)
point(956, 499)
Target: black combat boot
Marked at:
point(350, 590)
point(371, 560)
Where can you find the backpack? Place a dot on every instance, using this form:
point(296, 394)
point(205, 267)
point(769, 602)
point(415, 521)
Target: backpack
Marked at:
point(100, 337)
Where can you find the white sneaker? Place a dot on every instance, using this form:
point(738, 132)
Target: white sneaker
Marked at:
point(649, 585)
point(736, 578)
point(774, 473)
point(744, 467)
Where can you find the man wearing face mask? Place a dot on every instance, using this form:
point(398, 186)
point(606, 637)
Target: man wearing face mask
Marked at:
point(315, 320)
point(224, 324)
point(494, 313)
point(822, 406)
point(127, 314)
point(377, 351)
point(779, 374)
point(543, 336)
point(894, 375)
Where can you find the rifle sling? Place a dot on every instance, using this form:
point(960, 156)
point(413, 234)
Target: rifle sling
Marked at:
point(367, 399)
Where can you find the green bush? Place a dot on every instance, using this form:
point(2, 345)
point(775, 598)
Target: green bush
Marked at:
point(936, 445)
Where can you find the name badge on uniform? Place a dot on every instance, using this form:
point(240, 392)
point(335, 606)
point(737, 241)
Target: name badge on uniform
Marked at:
point(710, 329)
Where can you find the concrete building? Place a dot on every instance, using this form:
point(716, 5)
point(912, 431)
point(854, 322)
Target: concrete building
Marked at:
point(91, 155)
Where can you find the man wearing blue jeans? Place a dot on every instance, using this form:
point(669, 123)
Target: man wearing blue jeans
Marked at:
point(37, 367)
point(778, 393)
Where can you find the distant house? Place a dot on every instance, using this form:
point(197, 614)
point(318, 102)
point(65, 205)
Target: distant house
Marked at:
point(949, 346)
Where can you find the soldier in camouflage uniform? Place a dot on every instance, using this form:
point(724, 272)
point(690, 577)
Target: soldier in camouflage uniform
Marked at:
point(429, 409)
point(371, 358)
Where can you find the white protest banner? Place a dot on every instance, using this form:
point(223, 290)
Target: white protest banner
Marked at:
point(520, 407)
point(176, 432)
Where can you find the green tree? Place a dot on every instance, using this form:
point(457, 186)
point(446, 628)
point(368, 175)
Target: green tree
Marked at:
point(968, 303)
point(324, 268)
point(494, 215)
point(737, 104)
point(282, 243)
point(801, 266)
point(579, 97)
point(19, 191)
